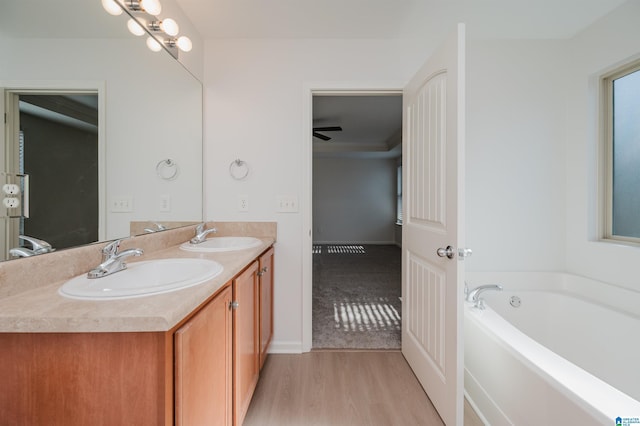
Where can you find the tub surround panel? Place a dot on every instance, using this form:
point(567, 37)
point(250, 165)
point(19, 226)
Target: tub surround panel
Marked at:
point(29, 299)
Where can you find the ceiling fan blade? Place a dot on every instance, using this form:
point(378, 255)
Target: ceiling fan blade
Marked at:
point(328, 129)
point(321, 136)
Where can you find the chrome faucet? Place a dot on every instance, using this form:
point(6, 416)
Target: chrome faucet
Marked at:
point(474, 295)
point(201, 234)
point(37, 247)
point(21, 252)
point(112, 260)
point(156, 227)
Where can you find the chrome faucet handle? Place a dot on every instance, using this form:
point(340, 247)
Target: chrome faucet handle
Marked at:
point(111, 249)
point(200, 228)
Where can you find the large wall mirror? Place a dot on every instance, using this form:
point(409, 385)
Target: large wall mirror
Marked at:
point(107, 131)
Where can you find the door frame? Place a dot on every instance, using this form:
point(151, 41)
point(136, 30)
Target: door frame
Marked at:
point(344, 88)
point(11, 88)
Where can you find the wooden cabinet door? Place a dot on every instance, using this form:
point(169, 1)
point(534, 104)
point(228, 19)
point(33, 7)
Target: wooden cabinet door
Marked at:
point(203, 386)
point(266, 303)
point(246, 349)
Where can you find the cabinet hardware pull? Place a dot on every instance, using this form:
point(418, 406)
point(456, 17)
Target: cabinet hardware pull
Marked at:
point(233, 305)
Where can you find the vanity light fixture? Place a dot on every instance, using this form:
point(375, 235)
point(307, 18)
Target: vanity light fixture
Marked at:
point(168, 25)
point(183, 43)
point(163, 32)
point(152, 7)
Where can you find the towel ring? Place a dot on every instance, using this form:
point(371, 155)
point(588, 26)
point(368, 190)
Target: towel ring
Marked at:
point(238, 169)
point(167, 169)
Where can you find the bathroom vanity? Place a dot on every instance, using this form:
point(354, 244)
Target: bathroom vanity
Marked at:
point(189, 357)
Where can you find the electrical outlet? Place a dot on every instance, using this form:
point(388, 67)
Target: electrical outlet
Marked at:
point(287, 204)
point(165, 203)
point(243, 203)
point(122, 204)
point(10, 189)
point(11, 202)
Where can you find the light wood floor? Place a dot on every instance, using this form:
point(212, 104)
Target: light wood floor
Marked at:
point(342, 388)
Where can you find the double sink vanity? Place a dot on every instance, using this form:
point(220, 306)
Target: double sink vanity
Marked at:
point(178, 337)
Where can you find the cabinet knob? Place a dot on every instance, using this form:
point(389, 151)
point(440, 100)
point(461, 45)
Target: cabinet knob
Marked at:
point(262, 271)
point(233, 305)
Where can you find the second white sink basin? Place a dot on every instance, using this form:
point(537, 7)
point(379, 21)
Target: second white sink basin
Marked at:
point(218, 244)
point(143, 279)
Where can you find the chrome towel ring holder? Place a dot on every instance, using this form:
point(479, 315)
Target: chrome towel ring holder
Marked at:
point(238, 169)
point(167, 169)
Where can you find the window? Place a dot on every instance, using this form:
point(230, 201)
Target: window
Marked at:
point(622, 147)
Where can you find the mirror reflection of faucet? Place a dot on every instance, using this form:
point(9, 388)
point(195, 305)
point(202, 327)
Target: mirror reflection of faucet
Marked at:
point(37, 247)
point(155, 228)
point(113, 260)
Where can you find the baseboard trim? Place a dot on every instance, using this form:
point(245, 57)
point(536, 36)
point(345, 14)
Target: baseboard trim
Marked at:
point(285, 347)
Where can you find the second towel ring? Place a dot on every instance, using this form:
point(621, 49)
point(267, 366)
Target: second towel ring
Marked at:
point(238, 169)
point(167, 169)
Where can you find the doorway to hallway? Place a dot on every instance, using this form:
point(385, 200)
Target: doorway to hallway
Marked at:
point(356, 271)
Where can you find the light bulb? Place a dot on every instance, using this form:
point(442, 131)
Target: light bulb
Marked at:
point(153, 7)
point(135, 27)
point(153, 44)
point(184, 44)
point(170, 27)
point(111, 7)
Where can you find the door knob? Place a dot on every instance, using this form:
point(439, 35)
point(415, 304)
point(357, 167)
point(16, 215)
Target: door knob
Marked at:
point(464, 252)
point(446, 252)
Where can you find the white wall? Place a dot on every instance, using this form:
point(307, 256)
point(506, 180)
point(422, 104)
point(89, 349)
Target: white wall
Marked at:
point(354, 200)
point(153, 112)
point(515, 155)
point(254, 103)
point(606, 43)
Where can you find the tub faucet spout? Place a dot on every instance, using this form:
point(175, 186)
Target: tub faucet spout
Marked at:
point(473, 296)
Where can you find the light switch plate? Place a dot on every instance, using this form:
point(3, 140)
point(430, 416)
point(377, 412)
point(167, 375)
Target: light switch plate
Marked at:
point(122, 204)
point(287, 204)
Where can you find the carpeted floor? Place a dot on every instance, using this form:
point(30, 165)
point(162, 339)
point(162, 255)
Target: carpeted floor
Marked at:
point(356, 297)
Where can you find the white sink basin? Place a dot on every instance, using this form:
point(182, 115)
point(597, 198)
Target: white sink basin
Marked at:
point(143, 279)
point(219, 244)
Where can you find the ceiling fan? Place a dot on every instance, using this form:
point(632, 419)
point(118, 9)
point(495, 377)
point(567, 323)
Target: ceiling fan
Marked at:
point(325, 129)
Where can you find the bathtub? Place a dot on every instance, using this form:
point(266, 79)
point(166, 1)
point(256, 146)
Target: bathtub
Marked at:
point(553, 349)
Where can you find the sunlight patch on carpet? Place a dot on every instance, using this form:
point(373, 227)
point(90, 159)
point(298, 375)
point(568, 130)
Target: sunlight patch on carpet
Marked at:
point(366, 316)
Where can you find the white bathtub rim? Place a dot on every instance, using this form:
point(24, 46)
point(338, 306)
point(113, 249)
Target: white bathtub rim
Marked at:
point(587, 391)
point(622, 299)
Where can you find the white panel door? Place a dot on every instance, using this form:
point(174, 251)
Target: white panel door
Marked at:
point(433, 167)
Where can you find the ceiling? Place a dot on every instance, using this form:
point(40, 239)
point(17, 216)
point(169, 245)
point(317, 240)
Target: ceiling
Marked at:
point(371, 125)
point(423, 19)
